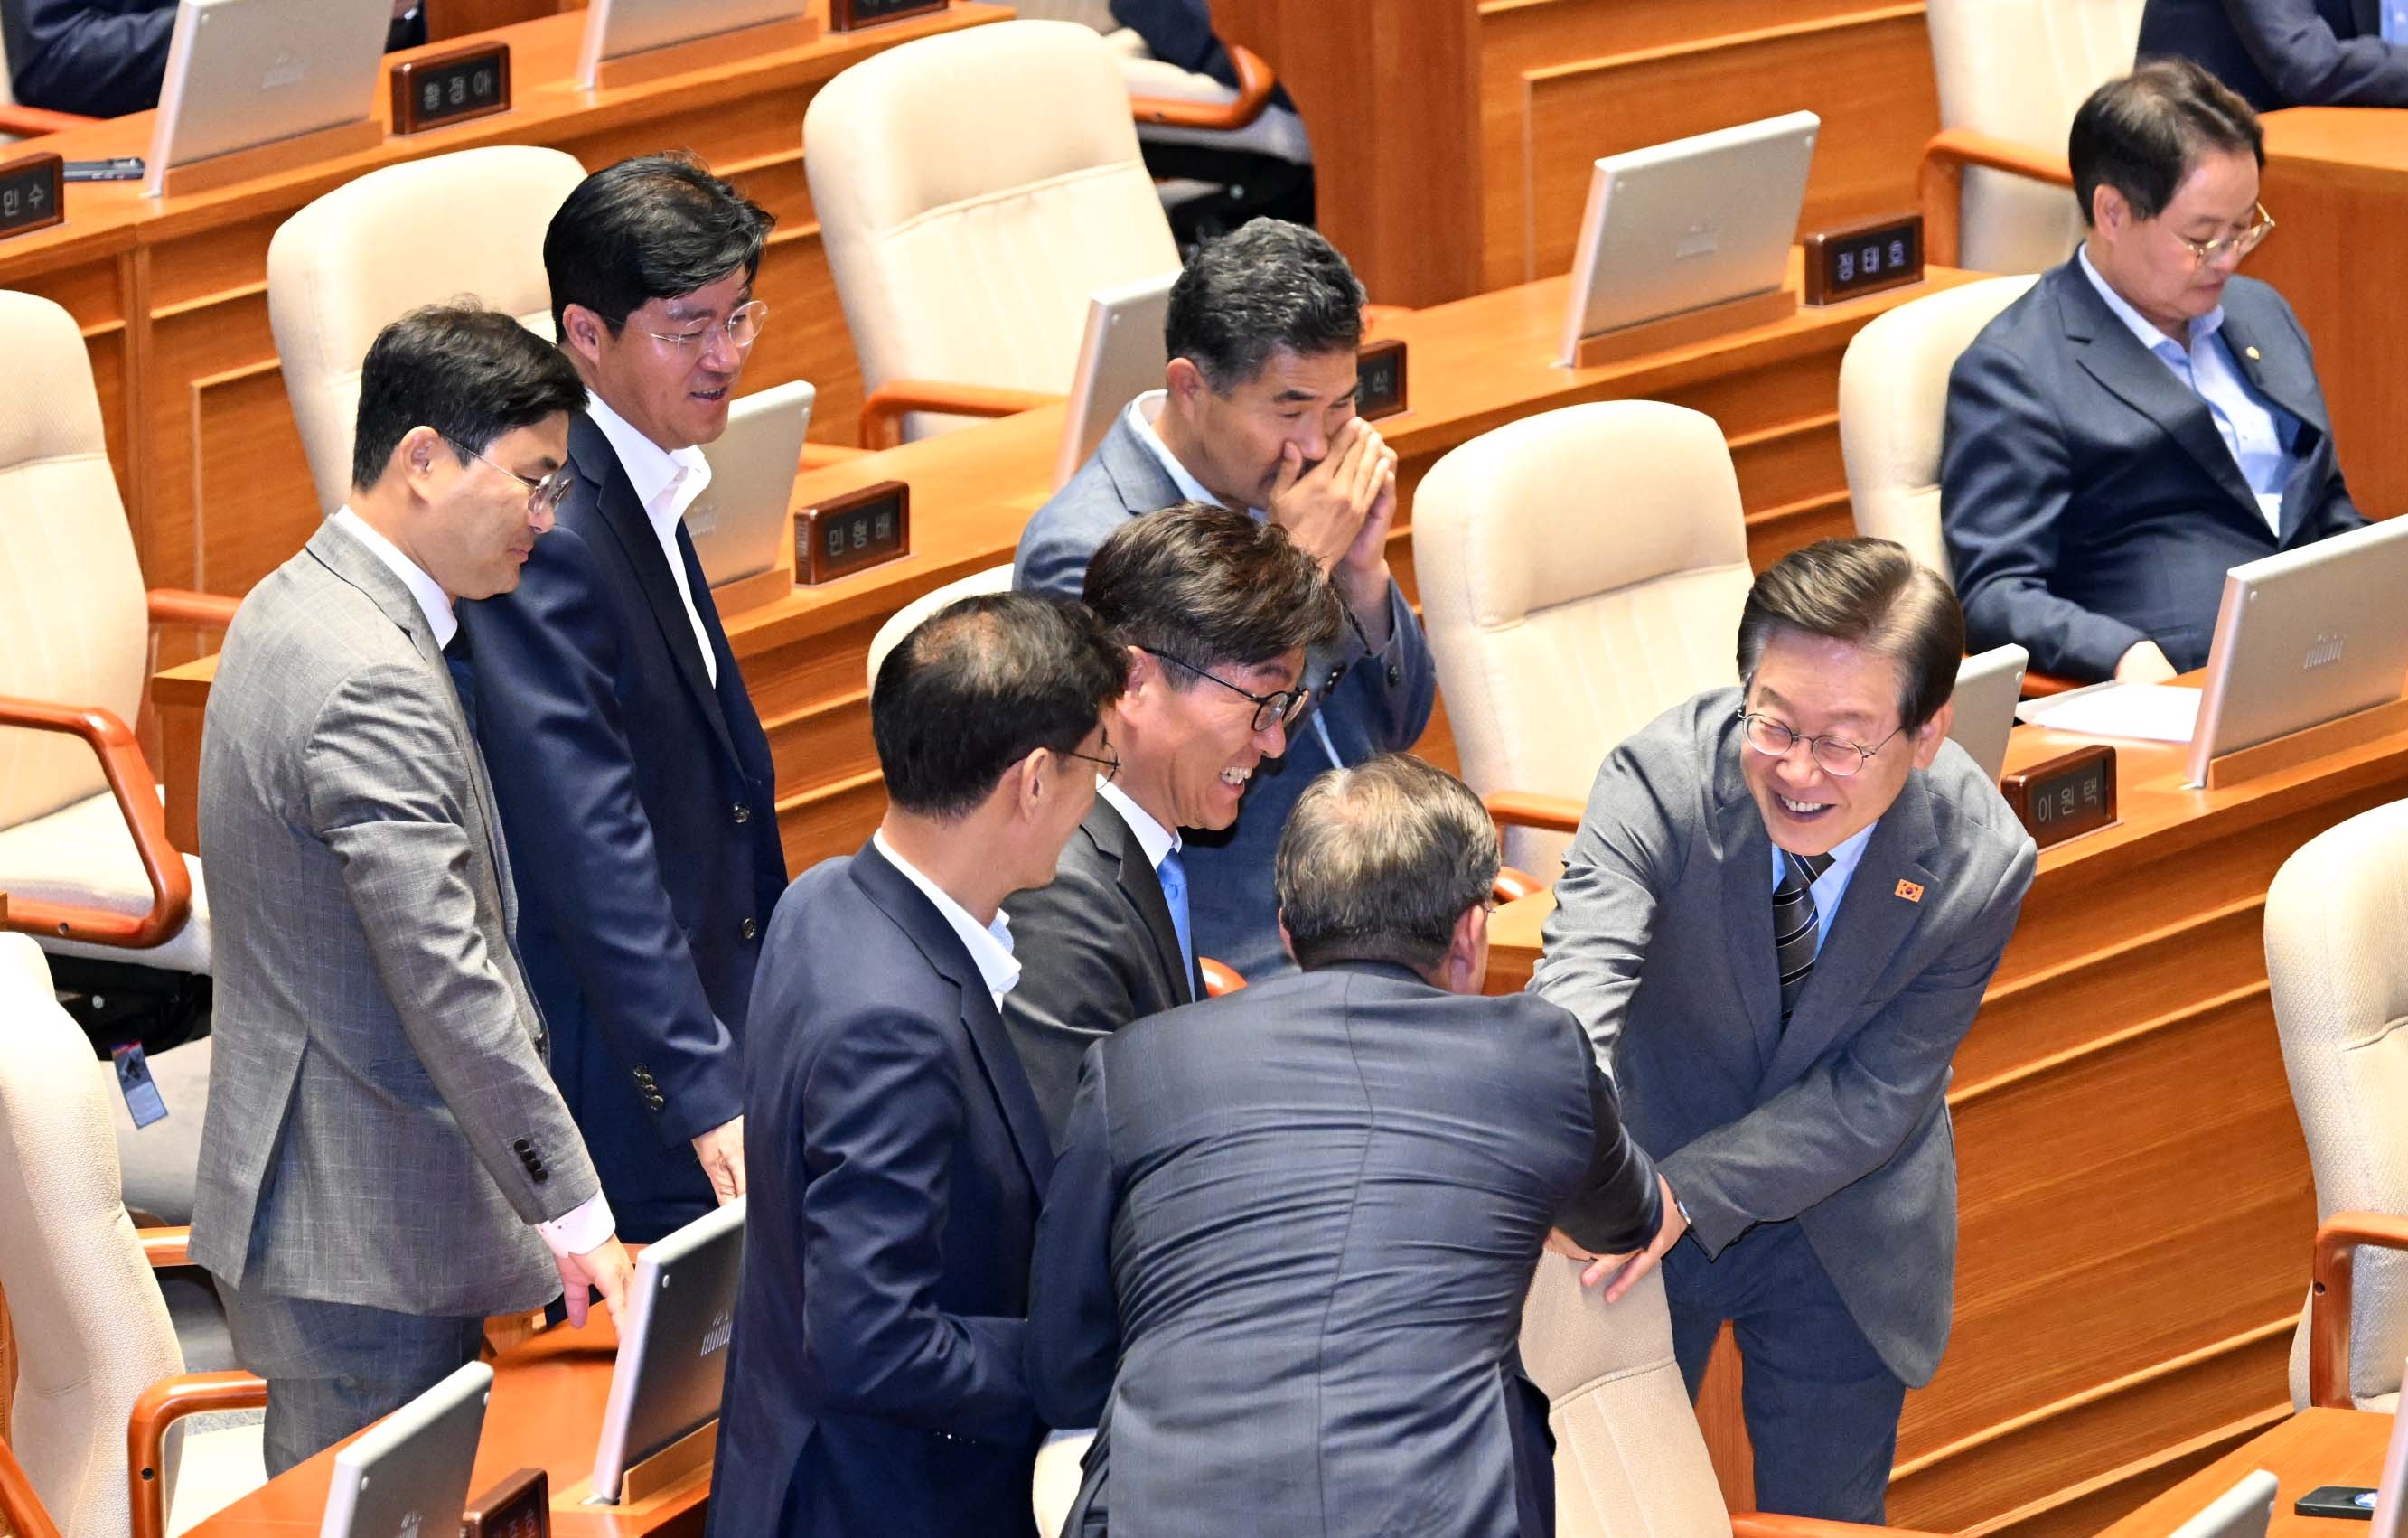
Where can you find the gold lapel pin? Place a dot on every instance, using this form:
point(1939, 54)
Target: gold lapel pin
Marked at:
point(2251, 351)
point(1910, 891)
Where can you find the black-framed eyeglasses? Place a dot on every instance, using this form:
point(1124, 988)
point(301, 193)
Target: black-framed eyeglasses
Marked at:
point(1282, 707)
point(1834, 756)
point(1112, 766)
point(743, 325)
point(544, 495)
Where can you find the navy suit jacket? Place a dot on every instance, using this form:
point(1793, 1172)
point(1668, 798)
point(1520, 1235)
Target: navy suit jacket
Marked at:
point(897, 1160)
point(2284, 52)
point(107, 58)
point(1300, 1221)
point(1380, 704)
point(2089, 501)
point(640, 805)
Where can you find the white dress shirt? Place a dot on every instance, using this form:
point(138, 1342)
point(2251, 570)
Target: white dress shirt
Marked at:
point(666, 482)
point(1157, 840)
point(589, 1222)
point(990, 945)
point(1832, 885)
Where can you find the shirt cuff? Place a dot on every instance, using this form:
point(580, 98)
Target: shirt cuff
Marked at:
point(581, 1229)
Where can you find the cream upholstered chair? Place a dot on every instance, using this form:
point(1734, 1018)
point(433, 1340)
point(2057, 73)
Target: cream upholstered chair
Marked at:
point(355, 260)
point(2010, 74)
point(965, 255)
point(1581, 571)
point(84, 856)
point(2334, 919)
point(99, 1366)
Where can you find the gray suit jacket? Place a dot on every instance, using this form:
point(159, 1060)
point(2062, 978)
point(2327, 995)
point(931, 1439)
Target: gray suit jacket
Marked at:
point(382, 1127)
point(1661, 943)
point(1368, 704)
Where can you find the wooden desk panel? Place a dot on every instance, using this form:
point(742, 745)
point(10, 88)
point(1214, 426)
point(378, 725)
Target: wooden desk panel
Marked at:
point(2304, 1450)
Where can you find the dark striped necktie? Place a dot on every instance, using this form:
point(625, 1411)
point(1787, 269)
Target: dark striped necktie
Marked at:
point(1793, 925)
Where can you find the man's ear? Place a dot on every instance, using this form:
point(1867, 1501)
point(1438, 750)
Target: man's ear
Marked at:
point(1466, 966)
point(1933, 732)
point(582, 333)
point(2109, 209)
point(1287, 946)
point(416, 456)
point(1184, 381)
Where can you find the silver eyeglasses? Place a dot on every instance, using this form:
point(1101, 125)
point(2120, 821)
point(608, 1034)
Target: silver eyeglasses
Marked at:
point(2205, 251)
point(1835, 756)
point(743, 328)
point(544, 495)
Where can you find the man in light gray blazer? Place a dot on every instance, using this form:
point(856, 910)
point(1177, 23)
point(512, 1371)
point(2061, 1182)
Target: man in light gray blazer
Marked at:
point(1775, 925)
point(386, 1161)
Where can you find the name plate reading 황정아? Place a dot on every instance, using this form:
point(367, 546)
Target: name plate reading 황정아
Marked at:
point(1855, 259)
point(451, 87)
point(1380, 378)
point(2066, 797)
point(851, 15)
point(32, 194)
point(858, 529)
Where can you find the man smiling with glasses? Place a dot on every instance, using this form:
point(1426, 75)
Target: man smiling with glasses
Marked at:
point(2143, 417)
point(635, 780)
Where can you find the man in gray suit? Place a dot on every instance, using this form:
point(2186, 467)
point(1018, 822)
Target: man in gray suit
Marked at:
point(1285, 1249)
point(386, 1161)
point(1776, 922)
point(1258, 413)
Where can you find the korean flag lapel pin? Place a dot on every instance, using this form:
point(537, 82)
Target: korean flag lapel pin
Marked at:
point(1911, 891)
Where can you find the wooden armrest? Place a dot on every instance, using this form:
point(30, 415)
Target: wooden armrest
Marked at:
point(1512, 885)
point(1218, 980)
point(1375, 316)
point(165, 1248)
point(1940, 181)
point(1255, 84)
point(181, 606)
point(819, 456)
point(163, 1404)
point(2041, 685)
point(1773, 1524)
point(2337, 1244)
point(1523, 809)
point(27, 1516)
point(137, 801)
point(883, 413)
point(34, 121)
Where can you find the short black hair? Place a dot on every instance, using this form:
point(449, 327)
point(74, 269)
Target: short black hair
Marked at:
point(1379, 862)
point(1869, 592)
point(1266, 285)
point(1209, 586)
point(652, 227)
point(470, 373)
point(2141, 132)
point(980, 685)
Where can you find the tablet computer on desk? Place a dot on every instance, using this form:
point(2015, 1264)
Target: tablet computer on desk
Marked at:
point(672, 1361)
point(1121, 357)
point(738, 523)
point(1988, 685)
point(408, 1476)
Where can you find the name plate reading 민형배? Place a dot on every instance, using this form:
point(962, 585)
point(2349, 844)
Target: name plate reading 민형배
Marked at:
point(2068, 795)
point(451, 87)
point(851, 532)
point(1380, 378)
point(32, 192)
point(1864, 258)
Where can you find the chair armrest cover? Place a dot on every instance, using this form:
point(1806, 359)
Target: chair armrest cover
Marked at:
point(1255, 84)
point(1514, 884)
point(1940, 181)
point(163, 1404)
point(181, 606)
point(2337, 1243)
point(1218, 979)
point(883, 413)
point(165, 1248)
point(1526, 809)
point(138, 799)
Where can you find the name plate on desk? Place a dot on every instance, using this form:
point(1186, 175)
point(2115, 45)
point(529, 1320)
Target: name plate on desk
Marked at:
point(451, 87)
point(2066, 797)
point(518, 1507)
point(849, 533)
point(1855, 259)
point(850, 15)
point(1380, 378)
point(32, 194)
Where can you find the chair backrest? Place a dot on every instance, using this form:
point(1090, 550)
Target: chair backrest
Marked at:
point(2017, 69)
point(352, 262)
point(74, 628)
point(996, 578)
point(1893, 404)
point(92, 1330)
point(2340, 979)
point(1630, 1459)
point(967, 254)
point(1581, 571)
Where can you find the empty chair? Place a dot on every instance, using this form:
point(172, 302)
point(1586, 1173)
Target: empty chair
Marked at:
point(2334, 917)
point(359, 258)
point(1581, 571)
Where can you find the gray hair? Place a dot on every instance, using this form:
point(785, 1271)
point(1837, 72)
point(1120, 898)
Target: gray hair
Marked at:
point(1378, 862)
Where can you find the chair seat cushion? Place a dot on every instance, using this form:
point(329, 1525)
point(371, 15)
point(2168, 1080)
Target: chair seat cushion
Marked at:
point(82, 853)
point(221, 1464)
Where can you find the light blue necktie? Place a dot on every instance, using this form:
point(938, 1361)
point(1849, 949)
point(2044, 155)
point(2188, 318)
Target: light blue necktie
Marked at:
point(1173, 877)
point(2395, 23)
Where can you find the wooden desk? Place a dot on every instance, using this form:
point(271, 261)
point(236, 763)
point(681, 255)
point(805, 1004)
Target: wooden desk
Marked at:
point(171, 294)
point(546, 1412)
point(2135, 1206)
point(2310, 1449)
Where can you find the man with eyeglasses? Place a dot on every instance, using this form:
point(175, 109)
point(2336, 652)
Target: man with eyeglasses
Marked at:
point(1775, 924)
point(2143, 418)
point(635, 780)
point(1216, 612)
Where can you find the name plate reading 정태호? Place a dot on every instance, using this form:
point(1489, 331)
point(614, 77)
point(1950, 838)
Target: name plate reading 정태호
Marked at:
point(850, 15)
point(846, 534)
point(2068, 795)
point(32, 192)
point(1855, 259)
point(1380, 378)
point(451, 87)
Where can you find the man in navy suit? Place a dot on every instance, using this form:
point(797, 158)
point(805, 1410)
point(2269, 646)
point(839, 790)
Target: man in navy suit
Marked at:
point(2290, 53)
point(635, 782)
point(1258, 413)
point(2143, 418)
point(875, 1385)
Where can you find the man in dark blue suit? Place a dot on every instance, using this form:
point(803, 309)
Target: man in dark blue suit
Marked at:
point(875, 1383)
point(2143, 418)
point(1258, 413)
point(2280, 53)
point(635, 782)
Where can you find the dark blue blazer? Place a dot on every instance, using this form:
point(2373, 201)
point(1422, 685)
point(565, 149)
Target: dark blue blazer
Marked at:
point(640, 805)
point(897, 1160)
point(2284, 52)
point(105, 58)
point(2089, 501)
